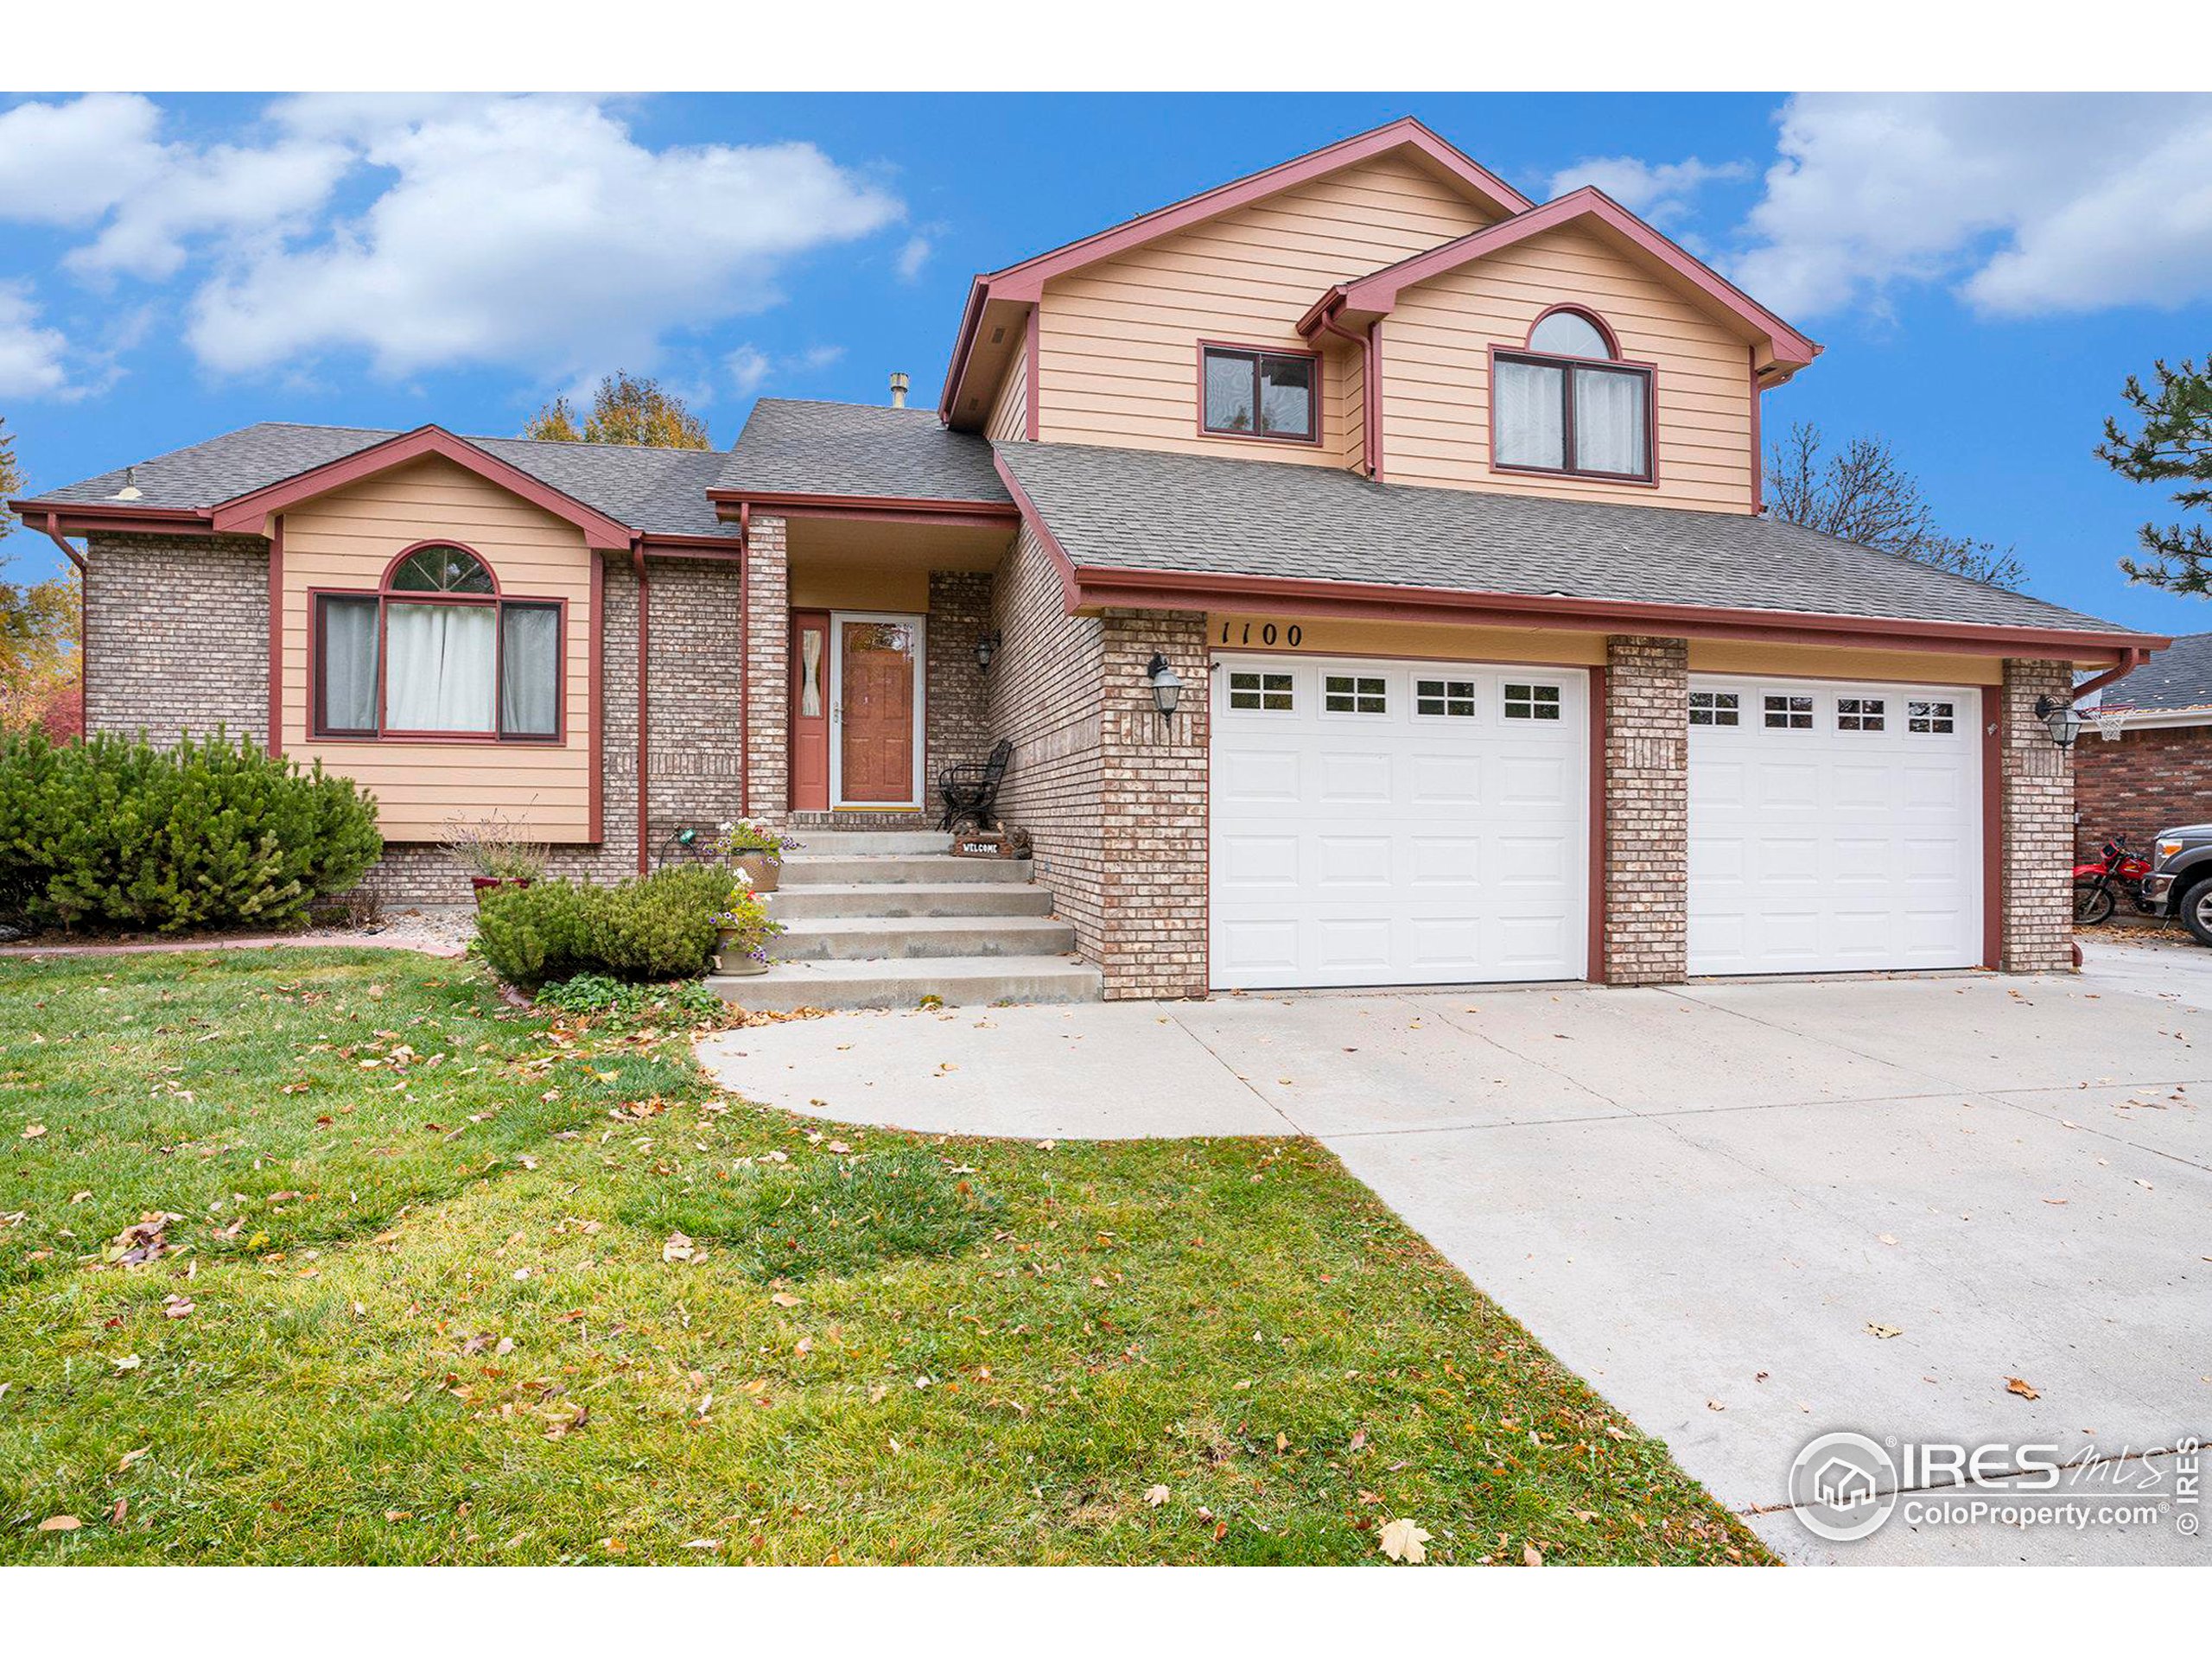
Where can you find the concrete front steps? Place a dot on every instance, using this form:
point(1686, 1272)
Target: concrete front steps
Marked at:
point(888, 918)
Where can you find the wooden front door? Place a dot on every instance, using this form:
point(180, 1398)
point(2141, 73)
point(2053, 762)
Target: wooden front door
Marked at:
point(810, 711)
point(878, 744)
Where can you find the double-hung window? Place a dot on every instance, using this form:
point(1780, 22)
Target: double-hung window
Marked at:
point(1257, 394)
point(438, 652)
point(1566, 403)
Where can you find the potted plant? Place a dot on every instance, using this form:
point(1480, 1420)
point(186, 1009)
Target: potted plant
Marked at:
point(742, 931)
point(495, 852)
point(756, 848)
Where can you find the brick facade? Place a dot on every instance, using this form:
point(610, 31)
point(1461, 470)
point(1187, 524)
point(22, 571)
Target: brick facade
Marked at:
point(1646, 876)
point(2035, 801)
point(2143, 781)
point(177, 636)
point(956, 719)
point(767, 668)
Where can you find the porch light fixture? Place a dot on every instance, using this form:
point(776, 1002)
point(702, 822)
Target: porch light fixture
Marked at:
point(987, 646)
point(1167, 686)
point(2061, 720)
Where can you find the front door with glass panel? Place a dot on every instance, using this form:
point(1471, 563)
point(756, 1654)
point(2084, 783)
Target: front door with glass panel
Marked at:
point(875, 710)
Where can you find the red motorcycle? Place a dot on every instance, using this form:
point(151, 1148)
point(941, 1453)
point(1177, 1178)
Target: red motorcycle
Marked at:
point(2096, 885)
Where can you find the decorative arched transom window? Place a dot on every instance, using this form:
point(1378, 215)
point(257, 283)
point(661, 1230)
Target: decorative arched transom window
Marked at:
point(438, 652)
point(1567, 403)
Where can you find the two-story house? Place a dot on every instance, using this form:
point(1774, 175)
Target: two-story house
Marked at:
point(1433, 512)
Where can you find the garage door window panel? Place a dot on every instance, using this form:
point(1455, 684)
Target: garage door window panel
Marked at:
point(1859, 713)
point(1445, 699)
point(1715, 708)
point(1931, 717)
point(1788, 713)
point(1261, 693)
point(1524, 701)
point(1354, 694)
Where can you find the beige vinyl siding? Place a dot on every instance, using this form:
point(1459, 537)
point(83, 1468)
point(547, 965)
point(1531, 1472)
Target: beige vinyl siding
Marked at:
point(344, 540)
point(1436, 372)
point(1119, 340)
point(1009, 421)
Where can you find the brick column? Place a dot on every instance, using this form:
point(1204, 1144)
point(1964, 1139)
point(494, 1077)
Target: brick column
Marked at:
point(957, 722)
point(697, 678)
point(2035, 781)
point(1647, 810)
point(1153, 801)
point(767, 671)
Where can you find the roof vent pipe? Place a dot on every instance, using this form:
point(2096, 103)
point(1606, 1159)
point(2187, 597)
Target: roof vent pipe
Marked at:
point(898, 389)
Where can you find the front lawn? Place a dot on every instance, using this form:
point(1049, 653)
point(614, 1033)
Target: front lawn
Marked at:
point(429, 1279)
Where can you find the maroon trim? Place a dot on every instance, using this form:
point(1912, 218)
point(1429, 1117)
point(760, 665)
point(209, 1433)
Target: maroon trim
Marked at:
point(53, 528)
point(1311, 437)
point(730, 504)
point(644, 706)
point(744, 654)
point(246, 512)
point(1594, 969)
point(1374, 395)
point(816, 736)
point(79, 518)
point(318, 732)
point(1647, 478)
point(1032, 400)
point(277, 638)
point(594, 787)
point(1094, 588)
point(1025, 281)
point(384, 581)
point(1071, 582)
point(1605, 331)
point(1378, 291)
point(1993, 830)
point(1759, 461)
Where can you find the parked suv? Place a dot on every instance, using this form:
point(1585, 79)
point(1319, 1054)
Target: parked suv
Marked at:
point(2180, 882)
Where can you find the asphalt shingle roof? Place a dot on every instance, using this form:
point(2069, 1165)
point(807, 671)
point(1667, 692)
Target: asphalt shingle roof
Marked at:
point(791, 448)
point(1139, 510)
point(661, 492)
point(2180, 677)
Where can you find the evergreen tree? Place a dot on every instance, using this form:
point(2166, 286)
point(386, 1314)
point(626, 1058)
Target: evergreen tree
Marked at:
point(626, 409)
point(2172, 443)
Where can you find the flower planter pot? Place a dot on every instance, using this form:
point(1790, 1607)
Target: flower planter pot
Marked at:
point(735, 966)
point(762, 871)
point(484, 884)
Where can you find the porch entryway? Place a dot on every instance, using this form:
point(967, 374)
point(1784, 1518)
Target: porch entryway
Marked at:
point(858, 699)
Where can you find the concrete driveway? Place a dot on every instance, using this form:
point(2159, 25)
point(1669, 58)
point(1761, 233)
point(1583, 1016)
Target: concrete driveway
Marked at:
point(1712, 1202)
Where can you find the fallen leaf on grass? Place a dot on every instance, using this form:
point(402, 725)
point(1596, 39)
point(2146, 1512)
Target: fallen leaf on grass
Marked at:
point(676, 1248)
point(783, 1298)
point(130, 1457)
point(1156, 1496)
point(31, 1132)
point(60, 1523)
point(127, 1363)
point(1531, 1556)
point(1401, 1541)
point(2021, 1386)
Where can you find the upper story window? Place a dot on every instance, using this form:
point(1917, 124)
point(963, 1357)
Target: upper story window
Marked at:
point(1567, 403)
point(1248, 393)
point(438, 652)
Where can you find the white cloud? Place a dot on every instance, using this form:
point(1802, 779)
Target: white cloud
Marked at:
point(1658, 193)
point(31, 356)
point(532, 232)
point(749, 369)
point(913, 258)
point(2027, 204)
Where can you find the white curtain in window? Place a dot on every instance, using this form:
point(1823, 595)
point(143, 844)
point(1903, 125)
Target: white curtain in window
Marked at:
point(809, 653)
point(1608, 422)
point(529, 670)
point(438, 668)
point(349, 664)
point(1529, 426)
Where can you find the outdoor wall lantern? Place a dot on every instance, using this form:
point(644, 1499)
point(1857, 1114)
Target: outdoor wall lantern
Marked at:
point(987, 646)
point(1167, 686)
point(2061, 720)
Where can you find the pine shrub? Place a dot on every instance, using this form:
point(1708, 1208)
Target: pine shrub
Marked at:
point(113, 832)
point(654, 927)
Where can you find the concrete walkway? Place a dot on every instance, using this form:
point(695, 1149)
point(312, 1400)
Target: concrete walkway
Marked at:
point(1705, 1199)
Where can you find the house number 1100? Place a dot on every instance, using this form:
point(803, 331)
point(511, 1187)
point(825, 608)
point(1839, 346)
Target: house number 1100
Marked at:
point(1291, 635)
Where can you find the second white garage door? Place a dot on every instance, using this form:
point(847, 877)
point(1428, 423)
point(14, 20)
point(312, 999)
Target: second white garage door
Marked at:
point(1834, 826)
point(1381, 822)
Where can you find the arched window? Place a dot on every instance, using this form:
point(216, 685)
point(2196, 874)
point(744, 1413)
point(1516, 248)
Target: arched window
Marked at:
point(438, 652)
point(1567, 404)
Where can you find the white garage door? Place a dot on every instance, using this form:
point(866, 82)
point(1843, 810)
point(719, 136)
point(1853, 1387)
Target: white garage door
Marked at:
point(1834, 826)
point(1397, 823)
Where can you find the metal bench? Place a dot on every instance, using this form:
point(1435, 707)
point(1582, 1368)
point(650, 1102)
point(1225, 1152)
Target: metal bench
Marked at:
point(971, 788)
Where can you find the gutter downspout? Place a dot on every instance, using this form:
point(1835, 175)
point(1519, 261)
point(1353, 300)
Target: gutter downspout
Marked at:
point(84, 640)
point(2130, 660)
point(1371, 400)
point(645, 687)
point(745, 659)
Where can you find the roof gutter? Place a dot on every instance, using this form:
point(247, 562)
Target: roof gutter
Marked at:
point(1371, 371)
point(2132, 660)
point(53, 528)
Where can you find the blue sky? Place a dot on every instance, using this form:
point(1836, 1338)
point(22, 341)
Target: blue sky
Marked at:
point(1983, 271)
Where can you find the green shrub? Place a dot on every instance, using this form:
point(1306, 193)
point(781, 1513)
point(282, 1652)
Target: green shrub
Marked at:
point(114, 832)
point(659, 926)
point(686, 1002)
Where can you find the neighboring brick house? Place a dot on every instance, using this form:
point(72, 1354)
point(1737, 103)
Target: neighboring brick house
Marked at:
point(2143, 763)
point(1441, 507)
